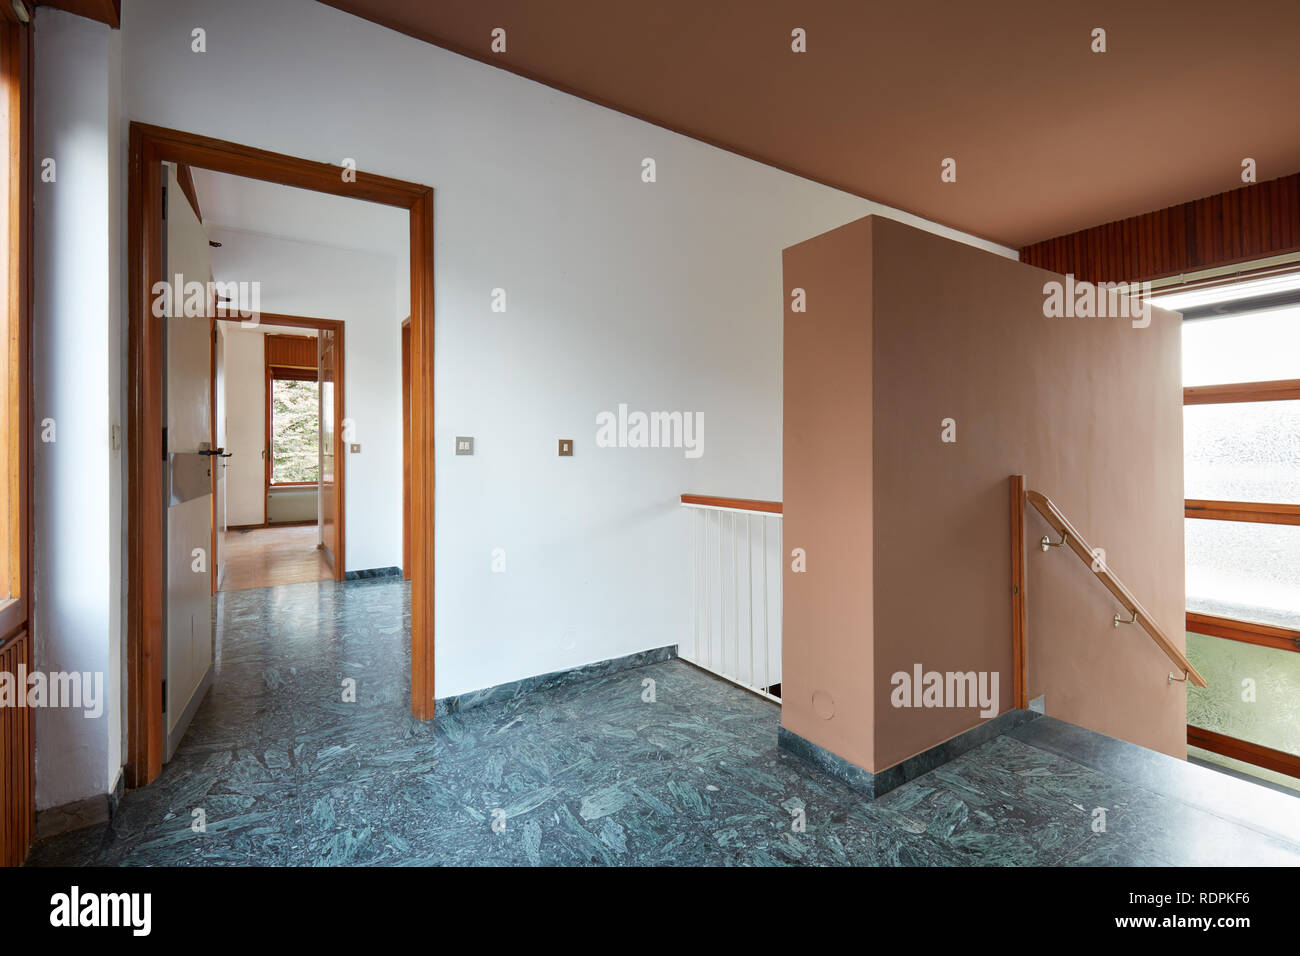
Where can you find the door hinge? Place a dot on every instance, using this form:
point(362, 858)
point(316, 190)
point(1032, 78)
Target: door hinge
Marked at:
point(164, 443)
point(164, 696)
point(164, 202)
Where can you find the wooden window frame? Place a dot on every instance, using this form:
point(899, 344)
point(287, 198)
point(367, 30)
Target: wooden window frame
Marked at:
point(150, 147)
point(283, 373)
point(1232, 629)
point(1258, 512)
point(17, 725)
point(1279, 761)
point(15, 333)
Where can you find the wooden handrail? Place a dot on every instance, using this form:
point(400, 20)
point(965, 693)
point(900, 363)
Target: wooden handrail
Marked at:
point(1062, 526)
point(736, 504)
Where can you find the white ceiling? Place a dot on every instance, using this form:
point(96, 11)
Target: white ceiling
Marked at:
point(250, 205)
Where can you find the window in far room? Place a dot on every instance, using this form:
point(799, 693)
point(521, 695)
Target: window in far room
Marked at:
point(295, 430)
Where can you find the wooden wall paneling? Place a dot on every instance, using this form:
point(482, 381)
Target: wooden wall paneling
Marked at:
point(1252, 222)
point(17, 785)
point(292, 351)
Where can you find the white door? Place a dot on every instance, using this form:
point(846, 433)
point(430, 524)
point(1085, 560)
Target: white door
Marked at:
point(189, 458)
point(220, 462)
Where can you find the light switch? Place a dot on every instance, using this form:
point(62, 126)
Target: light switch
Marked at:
point(355, 449)
point(464, 445)
point(566, 447)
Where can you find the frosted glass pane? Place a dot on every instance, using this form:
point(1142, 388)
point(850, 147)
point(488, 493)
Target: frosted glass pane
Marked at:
point(1260, 347)
point(1271, 717)
point(1242, 570)
point(1247, 451)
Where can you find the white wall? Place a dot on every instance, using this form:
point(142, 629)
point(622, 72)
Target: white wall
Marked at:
point(663, 296)
point(328, 282)
point(245, 423)
point(77, 364)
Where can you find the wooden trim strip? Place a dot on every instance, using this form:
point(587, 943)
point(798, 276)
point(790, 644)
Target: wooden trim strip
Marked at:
point(737, 504)
point(1247, 632)
point(1256, 511)
point(423, 447)
point(1279, 761)
point(185, 179)
point(1019, 617)
point(1280, 391)
point(1061, 525)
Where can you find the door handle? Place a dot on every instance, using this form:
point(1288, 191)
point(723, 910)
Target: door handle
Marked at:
point(221, 452)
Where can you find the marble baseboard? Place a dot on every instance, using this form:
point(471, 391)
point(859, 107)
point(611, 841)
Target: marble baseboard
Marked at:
point(513, 690)
point(116, 792)
point(881, 782)
point(365, 574)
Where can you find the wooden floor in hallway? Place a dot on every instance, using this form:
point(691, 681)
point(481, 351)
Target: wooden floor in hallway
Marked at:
point(264, 557)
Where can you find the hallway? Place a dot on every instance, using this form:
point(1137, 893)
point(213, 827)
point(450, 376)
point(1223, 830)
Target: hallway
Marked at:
point(588, 773)
point(266, 557)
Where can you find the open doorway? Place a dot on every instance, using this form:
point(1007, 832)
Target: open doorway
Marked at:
point(279, 387)
point(149, 546)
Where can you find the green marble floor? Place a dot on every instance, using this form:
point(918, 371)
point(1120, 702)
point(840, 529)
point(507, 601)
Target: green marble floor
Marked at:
point(285, 772)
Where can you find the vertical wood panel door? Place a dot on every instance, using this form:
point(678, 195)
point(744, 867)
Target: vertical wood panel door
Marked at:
point(325, 375)
point(188, 464)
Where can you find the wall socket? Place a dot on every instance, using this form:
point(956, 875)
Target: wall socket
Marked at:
point(355, 449)
point(464, 445)
point(566, 447)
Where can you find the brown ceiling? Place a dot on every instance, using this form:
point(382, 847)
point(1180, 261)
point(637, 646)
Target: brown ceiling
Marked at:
point(1048, 136)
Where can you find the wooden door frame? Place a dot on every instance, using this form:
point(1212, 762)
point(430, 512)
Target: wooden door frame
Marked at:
point(150, 147)
point(320, 325)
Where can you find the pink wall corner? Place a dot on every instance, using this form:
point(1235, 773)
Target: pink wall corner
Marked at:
point(827, 653)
